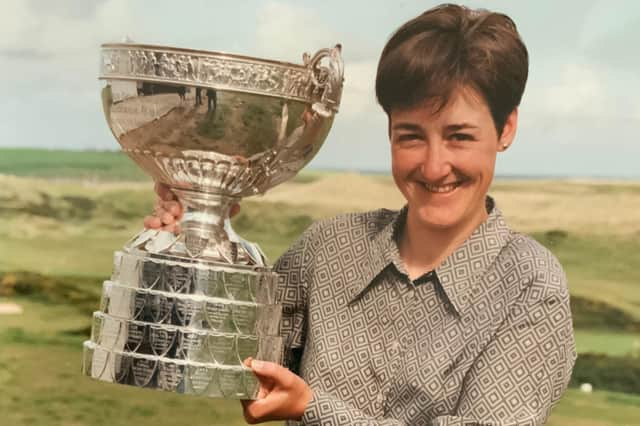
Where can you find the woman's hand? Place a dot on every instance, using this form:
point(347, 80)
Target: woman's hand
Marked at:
point(282, 396)
point(168, 211)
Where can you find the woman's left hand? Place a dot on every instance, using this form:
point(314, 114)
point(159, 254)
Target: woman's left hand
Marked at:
point(282, 396)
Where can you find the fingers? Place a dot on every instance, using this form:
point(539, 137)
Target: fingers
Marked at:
point(165, 216)
point(173, 207)
point(269, 373)
point(261, 410)
point(164, 192)
point(152, 222)
point(286, 395)
point(169, 212)
point(246, 411)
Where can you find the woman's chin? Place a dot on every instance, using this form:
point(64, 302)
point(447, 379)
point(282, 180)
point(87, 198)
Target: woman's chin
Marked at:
point(437, 218)
point(438, 223)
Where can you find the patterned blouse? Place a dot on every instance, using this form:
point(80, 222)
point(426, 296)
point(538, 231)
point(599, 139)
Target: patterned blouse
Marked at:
point(485, 339)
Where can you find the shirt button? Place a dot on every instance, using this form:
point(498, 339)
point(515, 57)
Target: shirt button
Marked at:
point(380, 398)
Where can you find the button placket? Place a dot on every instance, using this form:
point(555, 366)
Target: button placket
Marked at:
point(414, 314)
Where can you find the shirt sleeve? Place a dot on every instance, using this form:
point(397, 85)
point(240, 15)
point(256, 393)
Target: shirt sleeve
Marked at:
point(525, 368)
point(292, 295)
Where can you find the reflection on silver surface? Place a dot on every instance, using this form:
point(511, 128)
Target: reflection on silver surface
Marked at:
point(182, 343)
point(216, 127)
point(161, 373)
point(140, 270)
point(182, 311)
point(206, 313)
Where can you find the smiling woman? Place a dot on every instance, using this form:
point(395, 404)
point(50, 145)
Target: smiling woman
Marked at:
point(438, 314)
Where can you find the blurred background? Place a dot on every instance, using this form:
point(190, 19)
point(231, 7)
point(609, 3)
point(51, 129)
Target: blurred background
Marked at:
point(68, 198)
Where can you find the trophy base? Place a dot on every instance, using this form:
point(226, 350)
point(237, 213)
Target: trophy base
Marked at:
point(165, 374)
point(183, 325)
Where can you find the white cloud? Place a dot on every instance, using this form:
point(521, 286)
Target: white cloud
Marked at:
point(17, 23)
point(58, 52)
point(285, 31)
point(63, 34)
point(579, 92)
point(358, 97)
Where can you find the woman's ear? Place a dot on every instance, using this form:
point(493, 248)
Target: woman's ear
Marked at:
point(508, 131)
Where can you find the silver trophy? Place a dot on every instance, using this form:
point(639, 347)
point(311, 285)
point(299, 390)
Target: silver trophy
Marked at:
point(182, 311)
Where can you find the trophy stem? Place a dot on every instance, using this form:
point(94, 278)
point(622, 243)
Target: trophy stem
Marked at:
point(205, 230)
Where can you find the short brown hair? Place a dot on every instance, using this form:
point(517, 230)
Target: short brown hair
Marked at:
point(449, 47)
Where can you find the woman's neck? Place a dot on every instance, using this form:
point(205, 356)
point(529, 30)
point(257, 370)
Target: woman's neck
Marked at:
point(423, 248)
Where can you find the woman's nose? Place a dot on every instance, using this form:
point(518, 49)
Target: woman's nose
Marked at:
point(436, 164)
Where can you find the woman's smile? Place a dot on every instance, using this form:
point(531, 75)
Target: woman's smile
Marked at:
point(442, 188)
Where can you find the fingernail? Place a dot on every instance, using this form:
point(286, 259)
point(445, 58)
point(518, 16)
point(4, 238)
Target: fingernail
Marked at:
point(257, 364)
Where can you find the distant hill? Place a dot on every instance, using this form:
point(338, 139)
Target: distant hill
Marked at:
point(94, 165)
point(100, 166)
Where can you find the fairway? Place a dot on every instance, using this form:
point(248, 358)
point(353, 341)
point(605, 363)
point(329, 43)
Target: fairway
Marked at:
point(67, 229)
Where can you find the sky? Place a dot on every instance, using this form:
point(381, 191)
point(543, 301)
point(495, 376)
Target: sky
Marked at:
point(580, 115)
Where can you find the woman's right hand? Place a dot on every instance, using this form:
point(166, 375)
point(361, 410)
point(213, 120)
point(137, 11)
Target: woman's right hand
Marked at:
point(167, 212)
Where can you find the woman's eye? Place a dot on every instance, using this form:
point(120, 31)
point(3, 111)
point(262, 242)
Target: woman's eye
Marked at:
point(407, 137)
point(461, 137)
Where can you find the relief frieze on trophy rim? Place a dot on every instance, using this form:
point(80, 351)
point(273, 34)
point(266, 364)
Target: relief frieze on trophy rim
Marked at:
point(209, 69)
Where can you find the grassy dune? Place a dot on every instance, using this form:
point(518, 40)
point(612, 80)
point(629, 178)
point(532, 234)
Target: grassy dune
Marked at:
point(71, 228)
point(67, 228)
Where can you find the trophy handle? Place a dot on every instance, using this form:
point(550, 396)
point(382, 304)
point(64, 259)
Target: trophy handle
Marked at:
point(327, 77)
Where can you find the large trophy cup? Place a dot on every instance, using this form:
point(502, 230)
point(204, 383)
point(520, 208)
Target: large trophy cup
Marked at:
point(182, 311)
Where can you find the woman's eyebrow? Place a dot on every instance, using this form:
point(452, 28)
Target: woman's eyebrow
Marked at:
point(407, 126)
point(459, 126)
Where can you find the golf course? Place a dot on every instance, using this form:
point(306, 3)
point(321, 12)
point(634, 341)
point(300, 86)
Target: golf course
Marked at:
point(63, 214)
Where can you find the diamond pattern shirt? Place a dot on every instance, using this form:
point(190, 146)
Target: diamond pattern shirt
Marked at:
point(487, 340)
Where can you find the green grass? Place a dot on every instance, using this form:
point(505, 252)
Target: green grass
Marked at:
point(100, 165)
point(40, 384)
point(599, 267)
point(600, 408)
point(613, 344)
point(77, 233)
point(40, 381)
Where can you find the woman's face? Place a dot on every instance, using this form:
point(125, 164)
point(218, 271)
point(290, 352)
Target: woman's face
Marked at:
point(443, 162)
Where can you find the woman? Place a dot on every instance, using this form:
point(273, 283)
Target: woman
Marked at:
point(437, 314)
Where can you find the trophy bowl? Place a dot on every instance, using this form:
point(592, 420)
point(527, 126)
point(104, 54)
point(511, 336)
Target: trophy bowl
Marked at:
point(217, 127)
point(182, 311)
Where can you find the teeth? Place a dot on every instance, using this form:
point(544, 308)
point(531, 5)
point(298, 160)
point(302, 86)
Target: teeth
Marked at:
point(441, 188)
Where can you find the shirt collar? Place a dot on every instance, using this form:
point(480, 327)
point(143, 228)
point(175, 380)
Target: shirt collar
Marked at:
point(456, 273)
